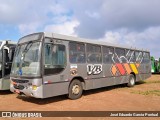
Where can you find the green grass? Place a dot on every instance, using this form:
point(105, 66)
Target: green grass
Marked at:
point(152, 81)
point(149, 92)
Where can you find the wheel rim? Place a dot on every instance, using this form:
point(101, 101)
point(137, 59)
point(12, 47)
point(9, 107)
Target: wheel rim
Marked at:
point(76, 89)
point(132, 81)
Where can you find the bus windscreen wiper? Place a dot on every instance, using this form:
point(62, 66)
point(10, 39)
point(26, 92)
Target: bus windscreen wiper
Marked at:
point(26, 47)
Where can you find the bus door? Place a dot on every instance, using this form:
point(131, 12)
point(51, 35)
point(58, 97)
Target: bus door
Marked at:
point(54, 63)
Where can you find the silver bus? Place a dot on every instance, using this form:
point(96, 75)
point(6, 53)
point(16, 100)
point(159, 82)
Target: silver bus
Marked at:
point(48, 64)
point(7, 48)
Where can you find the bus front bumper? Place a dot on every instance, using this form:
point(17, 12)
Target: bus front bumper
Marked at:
point(27, 91)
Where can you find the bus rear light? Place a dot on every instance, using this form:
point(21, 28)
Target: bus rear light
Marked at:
point(34, 87)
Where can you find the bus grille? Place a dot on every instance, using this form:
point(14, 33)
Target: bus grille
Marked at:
point(20, 87)
point(20, 81)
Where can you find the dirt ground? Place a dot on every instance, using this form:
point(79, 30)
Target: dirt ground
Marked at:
point(145, 96)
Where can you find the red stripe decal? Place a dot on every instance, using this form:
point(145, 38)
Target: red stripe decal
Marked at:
point(120, 68)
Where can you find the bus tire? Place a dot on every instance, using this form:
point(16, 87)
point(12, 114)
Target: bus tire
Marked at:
point(131, 81)
point(75, 90)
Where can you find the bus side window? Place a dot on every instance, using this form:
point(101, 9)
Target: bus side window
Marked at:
point(120, 55)
point(94, 54)
point(77, 52)
point(130, 56)
point(11, 54)
point(146, 57)
point(108, 53)
point(139, 57)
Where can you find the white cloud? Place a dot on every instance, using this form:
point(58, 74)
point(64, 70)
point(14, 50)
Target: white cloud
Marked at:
point(28, 28)
point(98, 16)
point(66, 28)
point(32, 15)
point(111, 37)
point(148, 39)
point(58, 9)
point(124, 22)
point(93, 15)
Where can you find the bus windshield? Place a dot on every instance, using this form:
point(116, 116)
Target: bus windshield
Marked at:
point(27, 60)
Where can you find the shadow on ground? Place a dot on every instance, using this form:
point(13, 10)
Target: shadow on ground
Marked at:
point(64, 97)
point(5, 92)
point(140, 82)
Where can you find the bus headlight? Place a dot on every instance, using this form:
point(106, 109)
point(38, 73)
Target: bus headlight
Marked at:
point(34, 87)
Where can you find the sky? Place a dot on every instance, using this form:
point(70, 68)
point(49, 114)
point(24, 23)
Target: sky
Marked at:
point(133, 23)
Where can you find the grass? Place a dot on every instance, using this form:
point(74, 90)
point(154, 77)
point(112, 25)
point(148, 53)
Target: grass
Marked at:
point(152, 81)
point(149, 92)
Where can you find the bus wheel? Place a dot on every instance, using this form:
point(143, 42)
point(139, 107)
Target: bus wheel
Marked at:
point(131, 81)
point(75, 90)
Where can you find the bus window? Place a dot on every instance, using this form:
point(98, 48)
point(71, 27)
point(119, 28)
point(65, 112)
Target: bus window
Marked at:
point(120, 55)
point(108, 53)
point(55, 58)
point(139, 56)
point(11, 54)
point(77, 52)
point(146, 57)
point(130, 55)
point(94, 54)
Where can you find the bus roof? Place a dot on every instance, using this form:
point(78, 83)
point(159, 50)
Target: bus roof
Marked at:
point(9, 41)
point(76, 39)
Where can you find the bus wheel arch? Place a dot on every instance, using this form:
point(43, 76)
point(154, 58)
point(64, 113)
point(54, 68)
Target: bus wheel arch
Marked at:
point(75, 88)
point(131, 80)
point(80, 79)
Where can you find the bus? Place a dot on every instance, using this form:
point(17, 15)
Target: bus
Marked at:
point(7, 48)
point(49, 64)
point(155, 65)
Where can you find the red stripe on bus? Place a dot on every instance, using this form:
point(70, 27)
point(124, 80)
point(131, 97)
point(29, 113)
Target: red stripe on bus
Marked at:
point(121, 68)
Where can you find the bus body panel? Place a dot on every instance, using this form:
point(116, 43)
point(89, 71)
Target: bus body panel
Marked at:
point(55, 89)
point(103, 82)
